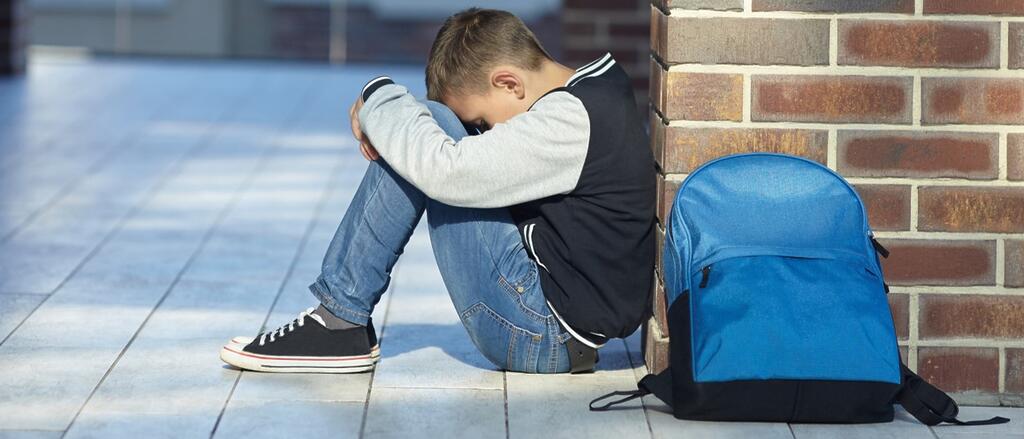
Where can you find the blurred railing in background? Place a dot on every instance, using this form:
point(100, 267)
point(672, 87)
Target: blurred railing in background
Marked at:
point(324, 30)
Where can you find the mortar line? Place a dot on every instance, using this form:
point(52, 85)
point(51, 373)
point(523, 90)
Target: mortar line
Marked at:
point(832, 150)
point(914, 210)
point(824, 15)
point(1004, 156)
point(1004, 45)
point(916, 106)
point(843, 70)
point(833, 42)
point(1002, 370)
point(913, 322)
point(1001, 262)
point(842, 125)
point(748, 98)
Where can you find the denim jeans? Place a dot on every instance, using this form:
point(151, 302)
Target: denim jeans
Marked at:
point(492, 282)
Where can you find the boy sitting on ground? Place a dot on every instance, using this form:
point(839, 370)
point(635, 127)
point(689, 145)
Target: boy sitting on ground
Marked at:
point(539, 188)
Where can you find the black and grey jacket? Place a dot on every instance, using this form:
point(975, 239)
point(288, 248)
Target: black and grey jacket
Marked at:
point(576, 173)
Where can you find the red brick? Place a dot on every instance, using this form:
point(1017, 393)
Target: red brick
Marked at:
point(659, 245)
point(659, 32)
point(971, 316)
point(888, 206)
point(1016, 39)
point(699, 96)
point(899, 306)
point(956, 369)
point(836, 6)
point(918, 154)
point(657, 134)
point(1014, 263)
point(735, 40)
point(983, 7)
point(659, 307)
point(1015, 370)
point(655, 344)
point(815, 98)
point(666, 196)
point(1015, 156)
point(919, 43)
point(971, 209)
point(972, 100)
point(688, 148)
point(934, 262)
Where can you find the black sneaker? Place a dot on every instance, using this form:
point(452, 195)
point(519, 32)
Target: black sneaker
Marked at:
point(306, 345)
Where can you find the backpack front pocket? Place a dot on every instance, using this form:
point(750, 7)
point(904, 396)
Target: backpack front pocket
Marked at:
point(783, 317)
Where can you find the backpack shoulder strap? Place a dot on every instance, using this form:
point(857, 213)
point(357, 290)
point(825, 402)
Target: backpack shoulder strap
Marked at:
point(930, 405)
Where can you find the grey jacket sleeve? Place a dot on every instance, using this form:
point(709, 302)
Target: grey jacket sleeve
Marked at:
point(533, 155)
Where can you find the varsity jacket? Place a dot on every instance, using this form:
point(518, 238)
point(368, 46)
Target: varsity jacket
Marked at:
point(576, 174)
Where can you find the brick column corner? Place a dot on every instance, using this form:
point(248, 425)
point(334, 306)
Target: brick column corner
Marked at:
point(919, 105)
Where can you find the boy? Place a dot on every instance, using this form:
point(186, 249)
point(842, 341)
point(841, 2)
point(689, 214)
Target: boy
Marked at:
point(541, 221)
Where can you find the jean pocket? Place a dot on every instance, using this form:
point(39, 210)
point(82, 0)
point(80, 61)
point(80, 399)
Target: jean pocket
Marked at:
point(500, 341)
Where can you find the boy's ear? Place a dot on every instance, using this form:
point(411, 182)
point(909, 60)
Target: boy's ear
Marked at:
point(509, 82)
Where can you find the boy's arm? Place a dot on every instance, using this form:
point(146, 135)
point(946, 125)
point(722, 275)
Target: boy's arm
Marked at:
point(533, 155)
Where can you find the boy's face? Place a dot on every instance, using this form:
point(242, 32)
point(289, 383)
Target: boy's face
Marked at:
point(497, 105)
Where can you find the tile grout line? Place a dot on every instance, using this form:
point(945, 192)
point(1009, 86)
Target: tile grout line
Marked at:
point(174, 168)
point(504, 391)
point(314, 220)
point(92, 170)
point(66, 125)
point(380, 340)
point(633, 365)
point(202, 145)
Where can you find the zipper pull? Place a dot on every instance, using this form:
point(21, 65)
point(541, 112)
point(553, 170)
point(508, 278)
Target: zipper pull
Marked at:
point(704, 277)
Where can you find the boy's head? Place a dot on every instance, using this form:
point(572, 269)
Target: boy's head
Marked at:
point(481, 63)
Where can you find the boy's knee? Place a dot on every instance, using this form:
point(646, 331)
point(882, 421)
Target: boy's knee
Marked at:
point(446, 118)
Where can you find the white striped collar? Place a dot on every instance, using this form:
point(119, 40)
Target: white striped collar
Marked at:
point(594, 68)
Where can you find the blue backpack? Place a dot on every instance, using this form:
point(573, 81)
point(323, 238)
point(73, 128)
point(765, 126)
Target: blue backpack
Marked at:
point(777, 309)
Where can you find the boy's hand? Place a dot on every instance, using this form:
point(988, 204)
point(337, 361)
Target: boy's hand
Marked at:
point(364, 144)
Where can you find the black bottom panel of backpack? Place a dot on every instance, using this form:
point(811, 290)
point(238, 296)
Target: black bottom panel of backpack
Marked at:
point(770, 400)
point(800, 401)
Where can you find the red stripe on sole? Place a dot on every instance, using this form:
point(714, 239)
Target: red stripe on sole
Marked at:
point(271, 357)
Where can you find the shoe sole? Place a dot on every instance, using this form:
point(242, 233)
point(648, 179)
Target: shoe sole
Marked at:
point(233, 354)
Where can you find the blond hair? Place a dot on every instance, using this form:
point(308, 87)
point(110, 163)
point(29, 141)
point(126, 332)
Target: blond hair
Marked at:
point(470, 43)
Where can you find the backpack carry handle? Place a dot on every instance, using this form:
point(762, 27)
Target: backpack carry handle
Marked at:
point(631, 394)
point(930, 405)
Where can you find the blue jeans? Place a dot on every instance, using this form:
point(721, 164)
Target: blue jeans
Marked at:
point(492, 282)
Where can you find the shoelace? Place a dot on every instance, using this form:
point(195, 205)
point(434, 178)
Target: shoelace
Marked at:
point(290, 326)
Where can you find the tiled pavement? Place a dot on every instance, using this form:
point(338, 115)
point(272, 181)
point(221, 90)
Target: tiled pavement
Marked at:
point(150, 210)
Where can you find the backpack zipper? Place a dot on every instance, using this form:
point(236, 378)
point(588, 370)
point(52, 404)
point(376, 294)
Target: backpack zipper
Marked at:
point(704, 276)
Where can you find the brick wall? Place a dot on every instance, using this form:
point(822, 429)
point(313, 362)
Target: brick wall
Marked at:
point(919, 104)
point(13, 31)
point(592, 27)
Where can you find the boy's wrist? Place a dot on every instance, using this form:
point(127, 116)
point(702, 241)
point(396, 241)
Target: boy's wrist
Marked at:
point(373, 85)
